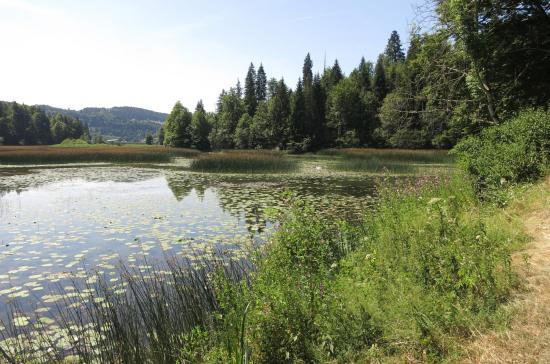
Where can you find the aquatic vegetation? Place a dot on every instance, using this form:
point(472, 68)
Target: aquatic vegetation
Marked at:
point(90, 153)
point(393, 161)
point(243, 162)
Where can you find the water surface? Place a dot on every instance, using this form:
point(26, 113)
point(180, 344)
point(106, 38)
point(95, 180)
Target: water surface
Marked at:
point(57, 223)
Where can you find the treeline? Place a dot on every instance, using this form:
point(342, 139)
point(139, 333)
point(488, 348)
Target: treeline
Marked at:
point(482, 64)
point(30, 125)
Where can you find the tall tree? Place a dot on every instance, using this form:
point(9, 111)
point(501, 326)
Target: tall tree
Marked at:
point(394, 50)
point(365, 74)
point(177, 127)
point(298, 127)
point(160, 135)
point(336, 74)
point(379, 86)
point(261, 84)
point(279, 112)
point(250, 97)
point(200, 128)
point(307, 71)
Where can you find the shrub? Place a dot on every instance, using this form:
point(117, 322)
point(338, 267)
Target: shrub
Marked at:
point(513, 152)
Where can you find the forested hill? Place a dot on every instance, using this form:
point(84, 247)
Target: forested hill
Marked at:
point(126, 123)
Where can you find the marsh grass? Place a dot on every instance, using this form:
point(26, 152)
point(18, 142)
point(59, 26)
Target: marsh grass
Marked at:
point(169, 313)
point(396, 161)
point(90, 153)
point(243, 162)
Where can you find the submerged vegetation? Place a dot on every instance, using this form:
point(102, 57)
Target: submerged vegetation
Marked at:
point(243, 162)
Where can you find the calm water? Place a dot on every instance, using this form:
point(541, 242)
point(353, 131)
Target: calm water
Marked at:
point(56, 223)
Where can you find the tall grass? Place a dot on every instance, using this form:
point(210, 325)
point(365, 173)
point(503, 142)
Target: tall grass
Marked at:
point(243, 162)
point(71, 154)
point(168, 313)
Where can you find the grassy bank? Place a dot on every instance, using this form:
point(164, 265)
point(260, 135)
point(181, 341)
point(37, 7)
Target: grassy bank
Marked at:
point(243, 162)
point(90, 153)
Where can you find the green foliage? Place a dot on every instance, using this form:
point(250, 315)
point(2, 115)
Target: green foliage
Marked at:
point(261, 84)
point(380, 86)
point(200, 129)
point(250, 95)
point(242, 132)
point(394, 50)
point(73, 142)
point(149, 139)
point(30, 125)
point(177, 127)
point(230, 110)
point(420, 273)
point(514, 152)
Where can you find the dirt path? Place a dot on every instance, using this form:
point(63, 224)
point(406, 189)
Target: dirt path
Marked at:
point(528, 338)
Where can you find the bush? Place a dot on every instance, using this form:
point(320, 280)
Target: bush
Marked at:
point(513, 152)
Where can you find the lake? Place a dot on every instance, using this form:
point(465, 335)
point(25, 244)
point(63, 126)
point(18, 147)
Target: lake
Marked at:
point(58, 223)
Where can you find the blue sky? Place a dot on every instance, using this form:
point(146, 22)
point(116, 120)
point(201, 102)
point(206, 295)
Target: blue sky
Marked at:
point(149, 54)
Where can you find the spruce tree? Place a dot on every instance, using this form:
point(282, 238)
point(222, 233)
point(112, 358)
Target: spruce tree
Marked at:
point(307, 72)
point(336, 74)
point(394, 50)
point(261, 84)
point(250, 99)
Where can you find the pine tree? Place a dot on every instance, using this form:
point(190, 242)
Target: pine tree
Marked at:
point(148, 138)
point(261, 84)
point(250, 99)
point(394, 50)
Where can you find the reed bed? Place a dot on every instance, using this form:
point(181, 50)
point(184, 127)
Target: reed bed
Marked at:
point(243, 162)
point(107, 153)
point(166, 313)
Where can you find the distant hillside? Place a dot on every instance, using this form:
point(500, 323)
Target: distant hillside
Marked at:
point(129, 124)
